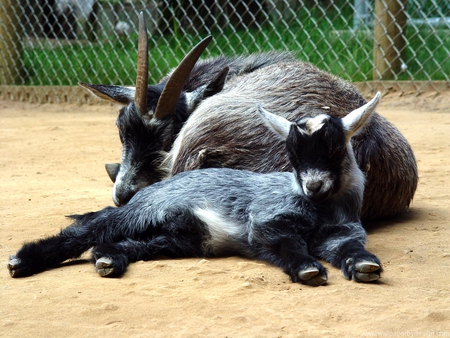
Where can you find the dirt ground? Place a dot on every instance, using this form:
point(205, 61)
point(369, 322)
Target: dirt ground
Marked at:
point(52, 164)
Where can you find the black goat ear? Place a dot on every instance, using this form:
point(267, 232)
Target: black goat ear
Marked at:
point(113, 170)
point(116, 94)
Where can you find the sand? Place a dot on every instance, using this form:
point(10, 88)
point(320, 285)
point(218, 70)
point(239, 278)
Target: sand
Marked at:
point(52, 164)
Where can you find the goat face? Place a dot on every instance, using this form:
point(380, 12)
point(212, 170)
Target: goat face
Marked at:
point(144, 140)
point(317, 149)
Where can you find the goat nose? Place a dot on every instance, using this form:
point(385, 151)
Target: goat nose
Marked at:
point(124, 199)
point(314, 187)
point(122, 196)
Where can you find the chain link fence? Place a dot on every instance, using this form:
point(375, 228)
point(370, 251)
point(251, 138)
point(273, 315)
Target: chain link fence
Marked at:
point(60, 42)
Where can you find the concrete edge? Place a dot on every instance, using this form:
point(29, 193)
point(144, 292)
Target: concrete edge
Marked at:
point(79, 96)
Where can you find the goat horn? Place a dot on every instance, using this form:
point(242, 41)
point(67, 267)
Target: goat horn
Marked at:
point(140, 97)
point(169, 97)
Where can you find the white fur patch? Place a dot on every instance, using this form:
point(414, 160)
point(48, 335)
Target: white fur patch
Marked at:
point(118, 182)
point(114, 198)
point(221, 230)
point(193, 98)
point(313, 124)
point(353, 178)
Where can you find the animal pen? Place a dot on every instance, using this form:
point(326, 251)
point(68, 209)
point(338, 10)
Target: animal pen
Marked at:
point(55, 140)
point(47, 46)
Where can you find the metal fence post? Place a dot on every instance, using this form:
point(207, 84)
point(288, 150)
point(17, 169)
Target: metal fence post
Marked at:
point(10, 42)
point(389, 38)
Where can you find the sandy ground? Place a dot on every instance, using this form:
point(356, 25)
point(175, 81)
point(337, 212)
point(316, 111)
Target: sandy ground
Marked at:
point(52, 164)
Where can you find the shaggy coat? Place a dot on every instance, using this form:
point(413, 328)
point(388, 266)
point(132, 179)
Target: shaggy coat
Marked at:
point(225, 131)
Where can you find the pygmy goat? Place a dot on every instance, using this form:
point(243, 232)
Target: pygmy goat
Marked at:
point(287, 219)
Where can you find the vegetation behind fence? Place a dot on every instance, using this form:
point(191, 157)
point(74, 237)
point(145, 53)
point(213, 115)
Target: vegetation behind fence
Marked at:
point(61, 42)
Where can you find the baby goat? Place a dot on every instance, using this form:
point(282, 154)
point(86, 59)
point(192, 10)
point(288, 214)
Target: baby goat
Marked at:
point(287, 219)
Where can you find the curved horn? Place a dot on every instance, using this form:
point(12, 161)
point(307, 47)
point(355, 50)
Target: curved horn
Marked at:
point(169, 97)
point(140, 97)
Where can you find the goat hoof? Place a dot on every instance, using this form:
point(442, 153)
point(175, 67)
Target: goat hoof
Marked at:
point(367, 271)
point(367, 266)
point(317, 281)
point(104, 266)
point(308, 273)
point(367, 277)
point(13, 266)
point(310, 276)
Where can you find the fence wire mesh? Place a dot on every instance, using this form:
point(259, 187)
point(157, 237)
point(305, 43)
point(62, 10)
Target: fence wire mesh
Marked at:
point(61, 42)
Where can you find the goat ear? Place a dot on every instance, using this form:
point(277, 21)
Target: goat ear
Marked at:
point(113, 170)
point(355, 120)
point(279, 125)
point(116, 94)
point(215, 86)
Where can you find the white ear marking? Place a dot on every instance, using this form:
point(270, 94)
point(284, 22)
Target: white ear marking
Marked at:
point(356, 119)
point(279, 125)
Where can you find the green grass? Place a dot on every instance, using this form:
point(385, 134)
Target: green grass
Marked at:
point(332, 47)
point(431, 58)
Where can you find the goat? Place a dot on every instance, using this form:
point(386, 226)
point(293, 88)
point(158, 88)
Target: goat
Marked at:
point(224, 131)
point(153, 115)
point(287, 219)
